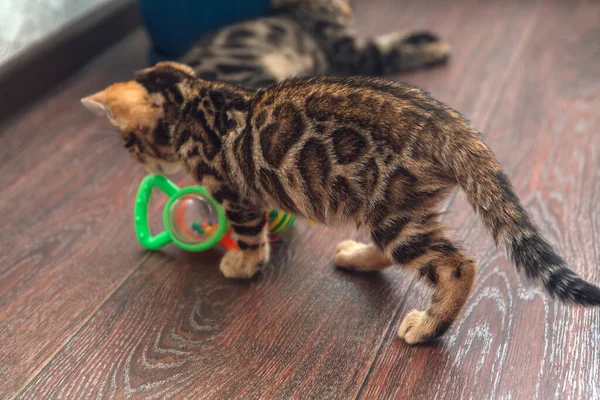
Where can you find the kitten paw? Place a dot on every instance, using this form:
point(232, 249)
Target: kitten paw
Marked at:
point(360, 257)
point(421, 38)
point(348, 245)
point(427, 50)
point(413, 51)
point(344, 253)
point(419, 327)
point(239, 264)
point(264, 253)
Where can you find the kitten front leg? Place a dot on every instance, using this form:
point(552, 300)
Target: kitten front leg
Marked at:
point(250, 226)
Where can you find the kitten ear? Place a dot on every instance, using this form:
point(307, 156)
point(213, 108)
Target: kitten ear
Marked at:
point(95, 105)
point(179, 66)
point(162, 68)
point(127, 105)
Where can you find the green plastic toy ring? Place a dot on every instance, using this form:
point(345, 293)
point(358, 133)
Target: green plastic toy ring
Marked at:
point(142, 226)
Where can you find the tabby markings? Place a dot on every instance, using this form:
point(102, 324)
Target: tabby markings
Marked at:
point(276, 139)
point(348, 145)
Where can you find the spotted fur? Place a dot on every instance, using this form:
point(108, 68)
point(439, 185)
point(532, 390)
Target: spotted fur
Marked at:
point(379, 154)
point(307, 38)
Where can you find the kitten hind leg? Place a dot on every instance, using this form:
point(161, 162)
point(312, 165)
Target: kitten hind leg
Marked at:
point(384, 54)
point(452, 277)
point(360, 257)
point(441, 264)
point(412, 51)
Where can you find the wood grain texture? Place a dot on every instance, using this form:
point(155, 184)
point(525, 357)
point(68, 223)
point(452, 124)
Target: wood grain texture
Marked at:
point(86, 315)
point(303, 329)
point(65, 243)
point(512, 341)
point(178, 327)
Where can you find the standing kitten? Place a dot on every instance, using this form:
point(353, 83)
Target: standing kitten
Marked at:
point(304, 38)
point(379, 154)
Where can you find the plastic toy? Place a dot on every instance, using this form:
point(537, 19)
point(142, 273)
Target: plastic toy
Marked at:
point(193, 220)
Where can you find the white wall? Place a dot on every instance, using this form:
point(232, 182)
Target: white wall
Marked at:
point(24, 22)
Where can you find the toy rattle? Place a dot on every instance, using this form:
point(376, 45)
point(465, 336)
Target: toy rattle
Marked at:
point(193, 220)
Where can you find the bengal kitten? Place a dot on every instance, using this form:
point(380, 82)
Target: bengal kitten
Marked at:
point(308, 38)
point(380, 154)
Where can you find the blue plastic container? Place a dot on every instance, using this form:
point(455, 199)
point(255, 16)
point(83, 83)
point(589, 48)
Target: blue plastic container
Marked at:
point(174, 25)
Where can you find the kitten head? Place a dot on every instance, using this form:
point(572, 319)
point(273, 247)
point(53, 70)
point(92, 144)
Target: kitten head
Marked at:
point(335, 7)
point(143, 110)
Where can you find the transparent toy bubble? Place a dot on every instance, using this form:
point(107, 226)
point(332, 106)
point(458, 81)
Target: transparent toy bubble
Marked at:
point(193, 219)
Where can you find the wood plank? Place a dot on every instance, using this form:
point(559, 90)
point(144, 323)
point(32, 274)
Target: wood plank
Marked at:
point(512, 341)
point(66, 240)
point(179, 327)
point(302, 329)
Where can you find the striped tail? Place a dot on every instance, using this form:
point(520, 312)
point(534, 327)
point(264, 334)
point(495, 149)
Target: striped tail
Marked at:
point(491, 194)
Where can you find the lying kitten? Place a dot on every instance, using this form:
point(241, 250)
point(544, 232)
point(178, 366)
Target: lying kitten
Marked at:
point(379, 154)
point(304, 38)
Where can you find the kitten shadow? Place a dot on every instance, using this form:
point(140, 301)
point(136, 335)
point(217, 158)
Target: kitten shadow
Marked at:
point(378, 288)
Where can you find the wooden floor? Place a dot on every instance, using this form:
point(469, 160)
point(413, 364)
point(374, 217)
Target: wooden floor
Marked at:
point(85, 313)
